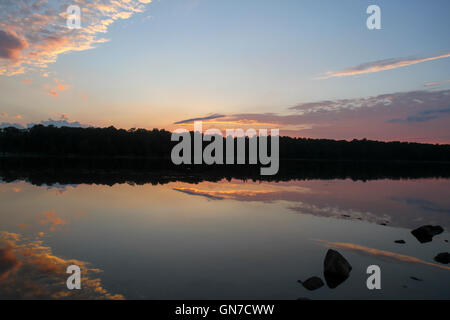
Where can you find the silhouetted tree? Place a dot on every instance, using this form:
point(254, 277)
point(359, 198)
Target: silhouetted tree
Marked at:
point(112, 142)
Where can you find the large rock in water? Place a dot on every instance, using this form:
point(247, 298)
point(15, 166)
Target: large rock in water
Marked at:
point(443, 257)
point(312, 283)
point(336, 269)
point(426, 233)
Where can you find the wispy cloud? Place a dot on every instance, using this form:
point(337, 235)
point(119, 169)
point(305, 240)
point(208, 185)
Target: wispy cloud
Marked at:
point(227, 194)
point(435, 83)
point(381, 65)
point(431, 84)
point(210, 117)
point(34, 33)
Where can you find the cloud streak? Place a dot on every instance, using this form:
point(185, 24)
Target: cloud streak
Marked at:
point(380, 65)
point(210, 117)
point(34, 33)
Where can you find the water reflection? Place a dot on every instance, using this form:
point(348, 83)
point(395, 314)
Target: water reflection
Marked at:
point(30, 270)
point(200, 237)
point(380, 254)
point(385, 202)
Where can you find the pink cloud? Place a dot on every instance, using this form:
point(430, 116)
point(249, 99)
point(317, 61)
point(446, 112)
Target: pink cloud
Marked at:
point(34, 33)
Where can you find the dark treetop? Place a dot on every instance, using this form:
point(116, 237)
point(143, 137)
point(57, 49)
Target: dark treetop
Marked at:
point(110, 142)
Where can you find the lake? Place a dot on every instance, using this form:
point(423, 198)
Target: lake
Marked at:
point(221, 238)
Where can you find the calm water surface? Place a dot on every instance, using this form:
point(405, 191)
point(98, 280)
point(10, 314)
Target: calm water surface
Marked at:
point(222, 240)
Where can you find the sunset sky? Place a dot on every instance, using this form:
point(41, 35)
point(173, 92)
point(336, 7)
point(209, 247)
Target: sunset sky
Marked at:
point(310, 68)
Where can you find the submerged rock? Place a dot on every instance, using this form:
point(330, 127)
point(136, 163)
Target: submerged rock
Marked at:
point(312, 283)
point(336, 269)
point(400, 241)
point(426, 233)
point(443, 257)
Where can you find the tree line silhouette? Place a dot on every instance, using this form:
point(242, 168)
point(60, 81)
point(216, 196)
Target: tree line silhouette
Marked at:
point(111, 142)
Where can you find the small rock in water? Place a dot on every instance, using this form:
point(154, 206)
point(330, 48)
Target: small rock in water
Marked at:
point(336, 269)
point(443, 257)
point(400, 241)
point(313, 283)
point(416, 279)
point(426, 233)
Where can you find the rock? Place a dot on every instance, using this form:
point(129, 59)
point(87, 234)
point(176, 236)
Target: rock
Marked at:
point(443, 257)
point(313, 283)
point(426, 233)
point(400, 241)
point(336, 269)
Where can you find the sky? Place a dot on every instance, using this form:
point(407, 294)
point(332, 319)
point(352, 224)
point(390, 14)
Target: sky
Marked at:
point(310, 68)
